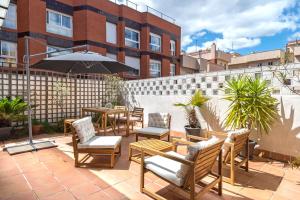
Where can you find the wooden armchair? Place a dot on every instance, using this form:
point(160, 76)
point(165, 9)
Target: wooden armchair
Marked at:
point(233, 145)
point(85, 141)
point(137, 115)
point(168, 165)
point(159, 125)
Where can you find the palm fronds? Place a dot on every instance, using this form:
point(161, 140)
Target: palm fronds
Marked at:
point(196, 101)
point(252, 104)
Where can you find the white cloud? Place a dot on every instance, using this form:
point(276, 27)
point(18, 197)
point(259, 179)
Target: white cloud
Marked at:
point(295, 36)
point(242, 21)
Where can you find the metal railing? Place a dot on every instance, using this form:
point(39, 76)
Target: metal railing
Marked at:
point(147, 9)
point(160, 14)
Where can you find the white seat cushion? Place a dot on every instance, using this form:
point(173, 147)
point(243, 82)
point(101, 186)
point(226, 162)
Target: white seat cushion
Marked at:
point(102, 142)
point(166, 168)
point(84, 128)
point(153, 131)
point(131, 118)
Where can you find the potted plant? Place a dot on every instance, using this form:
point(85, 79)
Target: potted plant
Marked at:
point(37, 127)
point(11, 110)
point(196, 101)
point(252, 106)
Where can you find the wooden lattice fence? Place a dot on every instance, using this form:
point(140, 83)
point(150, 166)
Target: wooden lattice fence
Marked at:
point(81, 91)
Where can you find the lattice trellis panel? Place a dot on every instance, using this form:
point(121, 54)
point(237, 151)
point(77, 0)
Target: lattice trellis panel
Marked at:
point(82, 91)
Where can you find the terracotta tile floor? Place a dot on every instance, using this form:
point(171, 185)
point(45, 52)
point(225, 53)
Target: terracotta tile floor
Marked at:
point(50, 174)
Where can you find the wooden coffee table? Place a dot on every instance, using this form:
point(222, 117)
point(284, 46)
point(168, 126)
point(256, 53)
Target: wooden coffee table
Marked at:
point(153, 144)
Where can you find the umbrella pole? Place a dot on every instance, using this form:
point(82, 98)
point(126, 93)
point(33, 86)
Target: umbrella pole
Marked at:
point(28, 89)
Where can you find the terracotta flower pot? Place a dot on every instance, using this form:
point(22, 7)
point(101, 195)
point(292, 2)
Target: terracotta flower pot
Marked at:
point(37, 129)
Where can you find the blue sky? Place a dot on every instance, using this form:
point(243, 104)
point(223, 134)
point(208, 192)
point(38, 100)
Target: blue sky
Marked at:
point(250, 25)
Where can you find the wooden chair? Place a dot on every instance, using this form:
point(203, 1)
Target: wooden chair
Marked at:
point(197, 169)
point(137, 115)
point(96, 145)
point(159, 125)
point(231, 151)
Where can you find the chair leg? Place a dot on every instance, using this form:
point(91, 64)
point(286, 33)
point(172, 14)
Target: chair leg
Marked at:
point(169, 137)
point(112, 159)
point(247, 156)
point(76, 159)
point(142, 183)
point(192, 186)
point(232, 175)
point(136, 137)
point(220, 174)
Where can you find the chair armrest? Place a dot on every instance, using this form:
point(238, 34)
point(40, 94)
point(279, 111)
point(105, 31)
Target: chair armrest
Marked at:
point(196, 138)
point(215, 133)
point(155, 152)
point(177, 141)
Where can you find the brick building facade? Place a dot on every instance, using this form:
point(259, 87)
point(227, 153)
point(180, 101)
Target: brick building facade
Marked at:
point(142, 40)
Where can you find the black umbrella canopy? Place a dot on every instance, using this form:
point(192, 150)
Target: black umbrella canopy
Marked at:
point(85, 62)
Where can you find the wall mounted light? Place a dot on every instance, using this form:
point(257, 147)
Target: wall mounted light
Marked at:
point(3, 10)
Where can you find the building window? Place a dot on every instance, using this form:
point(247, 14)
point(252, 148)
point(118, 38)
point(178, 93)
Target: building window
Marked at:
point(112, 56)
point(173, 47)
point(259, 65)
point(132, 38)
point(8, 53)
point(59, 23)
point(134, 63)
point(155, 68)
point(111, 33)
point(172, 69)
point(155, 42)
point(270, 63)
point(61, 51)
point(11, 17)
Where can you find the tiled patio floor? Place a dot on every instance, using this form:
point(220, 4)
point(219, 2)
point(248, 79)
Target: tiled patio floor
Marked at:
point(50, 174)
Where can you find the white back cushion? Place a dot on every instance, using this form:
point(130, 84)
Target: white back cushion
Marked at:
point(159, 120)
point(84, 128)
point(193, 149)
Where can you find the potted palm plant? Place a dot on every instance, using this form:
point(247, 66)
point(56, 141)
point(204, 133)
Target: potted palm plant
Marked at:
point(11, 110)
point(196, 101)
point(252, 106)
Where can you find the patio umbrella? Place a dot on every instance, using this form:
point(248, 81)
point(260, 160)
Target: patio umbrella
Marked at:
point(84, 62)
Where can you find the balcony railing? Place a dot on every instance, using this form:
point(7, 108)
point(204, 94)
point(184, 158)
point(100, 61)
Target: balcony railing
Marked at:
point(145, 9)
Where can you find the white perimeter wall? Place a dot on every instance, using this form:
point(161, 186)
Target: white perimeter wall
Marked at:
point(284, 138)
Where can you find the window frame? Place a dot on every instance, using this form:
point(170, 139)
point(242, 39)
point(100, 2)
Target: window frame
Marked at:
point(130, 40)
point(139, 70)
point(59, 26)
point(14, 20)
point(116, 37)
point(150, 68)
point(173, 51)
point(2, 56)
point(155, 45)
point(172, 73)
point(58, 53)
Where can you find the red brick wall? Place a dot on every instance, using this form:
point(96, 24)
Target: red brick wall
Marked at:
point(90, 26)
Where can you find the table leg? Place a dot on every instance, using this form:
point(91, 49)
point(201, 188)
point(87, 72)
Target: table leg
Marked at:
point(118, 123)
point(127, 125)
point(130, 153)
point(105, 123)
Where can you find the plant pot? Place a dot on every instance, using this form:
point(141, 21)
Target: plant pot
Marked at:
point(5, 132)
point(194, 131)
point(37, 129)
point(252, 145)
